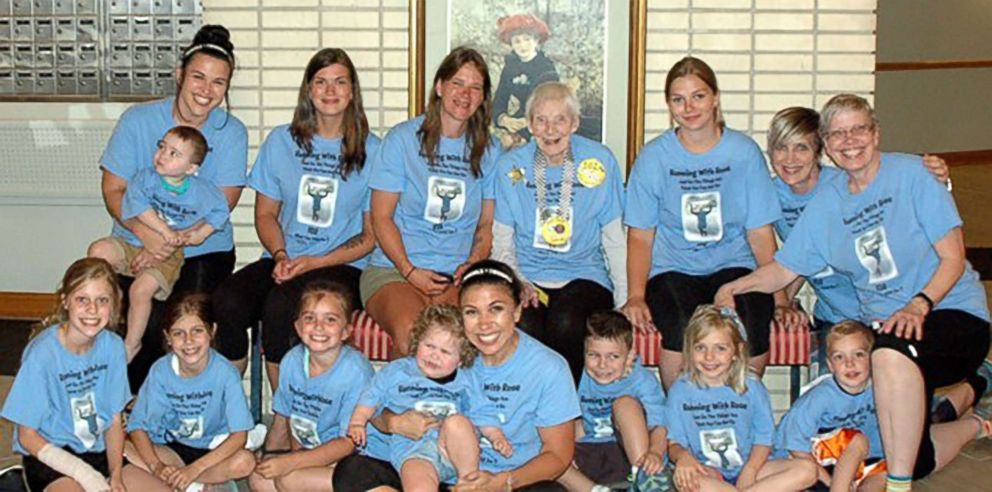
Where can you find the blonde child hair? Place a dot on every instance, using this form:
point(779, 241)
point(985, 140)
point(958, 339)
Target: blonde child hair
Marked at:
point(708, 319)
point(849, 327)
point(446, 318)
point(78, 273)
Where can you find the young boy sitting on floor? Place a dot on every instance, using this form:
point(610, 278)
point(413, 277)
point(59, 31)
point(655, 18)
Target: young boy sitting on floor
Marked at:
point(834, 422)
point(622, 414)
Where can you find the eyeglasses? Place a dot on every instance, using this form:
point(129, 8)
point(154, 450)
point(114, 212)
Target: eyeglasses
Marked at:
point(858, 131)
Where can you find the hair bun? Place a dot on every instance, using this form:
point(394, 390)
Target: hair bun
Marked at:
point(214, 34)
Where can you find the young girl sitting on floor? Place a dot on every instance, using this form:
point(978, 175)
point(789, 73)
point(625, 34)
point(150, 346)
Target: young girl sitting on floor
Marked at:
point(320, 380)
point(191, 398)
point(67, 398)
point(719, 416)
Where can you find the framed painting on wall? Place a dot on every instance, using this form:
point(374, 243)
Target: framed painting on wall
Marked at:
point(585, 44)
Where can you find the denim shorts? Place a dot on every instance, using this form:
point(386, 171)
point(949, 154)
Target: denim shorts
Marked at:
point(429, 451)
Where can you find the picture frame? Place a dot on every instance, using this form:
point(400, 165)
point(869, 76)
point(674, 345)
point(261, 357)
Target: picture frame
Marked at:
point(433, 32)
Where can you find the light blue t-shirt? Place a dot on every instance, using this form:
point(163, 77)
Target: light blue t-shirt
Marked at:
point(700, 205)
point(836, 299)
point(201, 201)
point(319, 408)
point(531, 389)
point(824, 408)
point(191, 411)
point(401, 386)
point(593, 207)
point(883, 239)
point(597, 400)
point(439, 204)
point(321, 209)
point(717, 425)
point(135, 139)
point(69, 399)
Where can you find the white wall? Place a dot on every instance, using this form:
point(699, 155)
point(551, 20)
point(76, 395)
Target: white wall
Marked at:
point(935, 110)
point(768, 54)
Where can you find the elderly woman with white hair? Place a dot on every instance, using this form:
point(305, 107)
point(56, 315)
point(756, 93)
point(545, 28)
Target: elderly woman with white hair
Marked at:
point(559, 203)
point(896, 233)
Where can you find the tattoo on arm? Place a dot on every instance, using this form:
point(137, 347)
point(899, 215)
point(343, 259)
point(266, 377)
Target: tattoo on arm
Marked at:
point(354, 242)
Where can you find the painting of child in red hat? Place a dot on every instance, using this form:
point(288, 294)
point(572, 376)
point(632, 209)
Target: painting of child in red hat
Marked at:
point(527, 43)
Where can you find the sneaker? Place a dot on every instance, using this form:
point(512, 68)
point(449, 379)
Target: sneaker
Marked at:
point(985, 371)
point(642, 482)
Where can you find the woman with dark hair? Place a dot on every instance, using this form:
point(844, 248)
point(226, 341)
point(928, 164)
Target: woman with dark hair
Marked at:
point(311, 184)
point(203, 79)
point(700, 205)
point(528, 383)
point(432, 199)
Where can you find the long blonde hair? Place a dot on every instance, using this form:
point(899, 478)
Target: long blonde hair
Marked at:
point(78, 273)
point(709, 319)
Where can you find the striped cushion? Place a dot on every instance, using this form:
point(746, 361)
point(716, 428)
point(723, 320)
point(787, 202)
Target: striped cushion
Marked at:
point(787, 348)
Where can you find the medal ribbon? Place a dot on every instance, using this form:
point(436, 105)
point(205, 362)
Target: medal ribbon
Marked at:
point(541, 163)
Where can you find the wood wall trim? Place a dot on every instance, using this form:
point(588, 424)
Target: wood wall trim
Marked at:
point(931, 65)
point(25, 305)
point(968, 158)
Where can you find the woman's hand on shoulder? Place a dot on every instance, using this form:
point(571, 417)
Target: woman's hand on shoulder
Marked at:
point(938, 167)
point(637, 312)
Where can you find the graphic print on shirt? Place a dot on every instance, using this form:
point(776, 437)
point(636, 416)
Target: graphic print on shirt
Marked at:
point(702, 217)
point(873, 252)
point(436, 409)
point(445, 200)
point(188, 428)
point(304, 431)
point(603, 427)
point(720, 448)
point(86, 423)
point(317, 197)
point(540, 217)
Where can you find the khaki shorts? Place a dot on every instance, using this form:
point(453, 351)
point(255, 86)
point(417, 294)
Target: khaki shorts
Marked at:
point(165, 273)
point(374, 278)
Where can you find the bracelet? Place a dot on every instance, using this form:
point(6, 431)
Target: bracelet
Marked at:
point(406, 275)
point(926, 299)
point(280, 250)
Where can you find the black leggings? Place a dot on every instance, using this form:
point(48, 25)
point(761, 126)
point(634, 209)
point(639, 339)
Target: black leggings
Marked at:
point(561, 324)
point(199, 274)
point(357, 473)
point(953, 347)
point(251, 295)
point(672, 297)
